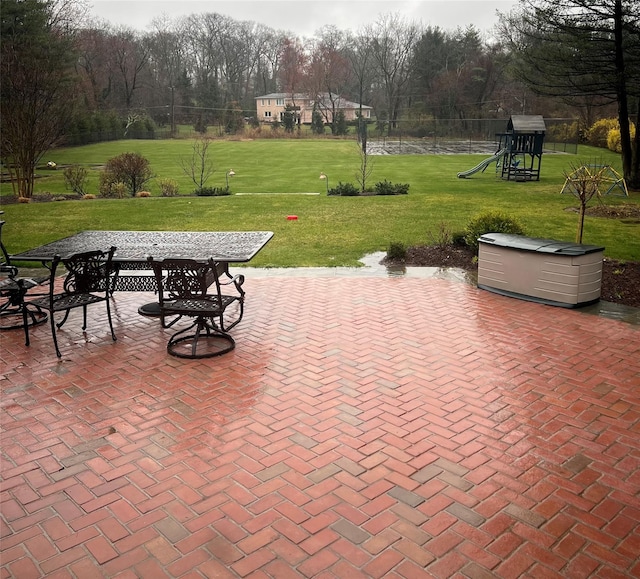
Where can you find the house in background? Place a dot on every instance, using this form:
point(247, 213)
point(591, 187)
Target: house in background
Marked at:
point(272, 107)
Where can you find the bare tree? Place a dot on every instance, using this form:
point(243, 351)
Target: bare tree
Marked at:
point(199, 167)
point(166, 52)
point(129, 56)
point(328, 74)
point(359, 54)
point(92, 65)
point(293, 62)
point(584, 181)
point(392, 44)
point(366, 168)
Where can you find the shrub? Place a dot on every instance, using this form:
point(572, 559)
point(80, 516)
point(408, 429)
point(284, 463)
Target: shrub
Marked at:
point(132, 169)
point(344, 190)
point(442, 236)
point(75, 178)
point(613, 141)
point(317, 122)
point(384, 188)
point(491, 222)
point(457, 238)
point(397, 251)
point(110, 187)
point(200, 126)
point(598, 133)
point(387, 188)
point(212, 191)
point(340, 124)
point(564, 132)
point(120, 190)
point(168, 187)
point(613, 138)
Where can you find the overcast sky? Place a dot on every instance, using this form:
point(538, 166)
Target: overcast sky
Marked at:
point(305, 17)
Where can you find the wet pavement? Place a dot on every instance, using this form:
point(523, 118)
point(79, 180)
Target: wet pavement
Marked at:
point(368, 424)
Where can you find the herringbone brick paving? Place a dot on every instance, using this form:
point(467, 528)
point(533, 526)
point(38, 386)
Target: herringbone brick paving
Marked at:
point(369, 427)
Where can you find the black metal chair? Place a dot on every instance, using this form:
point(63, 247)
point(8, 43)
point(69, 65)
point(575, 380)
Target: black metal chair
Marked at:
point(13, 290)
point(87, 281)
point(187, 288)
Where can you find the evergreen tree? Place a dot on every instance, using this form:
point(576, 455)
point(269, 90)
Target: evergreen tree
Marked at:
point(317, 122)
point(37, 90)
point(579, 49)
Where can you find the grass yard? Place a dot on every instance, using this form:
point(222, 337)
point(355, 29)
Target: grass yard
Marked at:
point(277, 178)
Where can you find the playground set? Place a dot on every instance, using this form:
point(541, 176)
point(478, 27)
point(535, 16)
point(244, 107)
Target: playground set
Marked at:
point(519, 153)
point(602, 179)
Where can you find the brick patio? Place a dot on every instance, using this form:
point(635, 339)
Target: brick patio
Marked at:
point(362, 427)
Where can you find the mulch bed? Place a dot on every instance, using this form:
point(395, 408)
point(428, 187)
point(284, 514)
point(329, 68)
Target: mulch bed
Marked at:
point(620, 279)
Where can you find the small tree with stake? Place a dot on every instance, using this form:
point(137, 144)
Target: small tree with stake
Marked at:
point(366, 168)
point(584, 184)
point(199, 167)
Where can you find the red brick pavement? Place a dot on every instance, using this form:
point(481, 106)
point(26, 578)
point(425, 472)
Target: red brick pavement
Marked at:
point(367, 427)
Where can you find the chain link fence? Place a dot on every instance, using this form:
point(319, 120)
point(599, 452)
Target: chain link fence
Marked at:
point(457, 136)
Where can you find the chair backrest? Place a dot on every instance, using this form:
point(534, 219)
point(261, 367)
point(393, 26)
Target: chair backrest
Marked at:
point(5, 260)
point(184, 278)
point(87, 272)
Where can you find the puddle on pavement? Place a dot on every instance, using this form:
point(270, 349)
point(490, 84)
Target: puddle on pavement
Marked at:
point(373, 267)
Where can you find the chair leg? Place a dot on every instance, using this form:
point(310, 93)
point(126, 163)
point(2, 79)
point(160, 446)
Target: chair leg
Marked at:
point(224, 327)
point(113, 334)
point(194, 346)
point(84, 318)
point(25, 323)
point(54, 333)
point(66, 315)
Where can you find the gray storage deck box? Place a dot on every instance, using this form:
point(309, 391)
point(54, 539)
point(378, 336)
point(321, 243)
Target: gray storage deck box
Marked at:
point(553, 272)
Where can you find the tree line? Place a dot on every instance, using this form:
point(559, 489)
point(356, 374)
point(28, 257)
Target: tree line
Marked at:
point(557, 58)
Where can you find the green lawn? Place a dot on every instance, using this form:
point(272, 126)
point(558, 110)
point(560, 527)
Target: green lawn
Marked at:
point(270, 177)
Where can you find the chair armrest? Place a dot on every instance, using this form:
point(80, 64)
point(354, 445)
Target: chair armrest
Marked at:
point(10, 270)
point(237, 280)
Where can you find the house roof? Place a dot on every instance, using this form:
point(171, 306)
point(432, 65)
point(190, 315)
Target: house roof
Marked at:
point(341, 103)
point(283, 95)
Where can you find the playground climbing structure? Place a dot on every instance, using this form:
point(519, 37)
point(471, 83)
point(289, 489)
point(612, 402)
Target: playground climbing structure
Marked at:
point(604, 178)
point(519, 153)
point(523, 142)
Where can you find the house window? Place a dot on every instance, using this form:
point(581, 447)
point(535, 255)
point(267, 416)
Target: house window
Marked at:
point(367, 114)
point(267, 114)
point(280, 102)
point(269, 102)
point(262, 102)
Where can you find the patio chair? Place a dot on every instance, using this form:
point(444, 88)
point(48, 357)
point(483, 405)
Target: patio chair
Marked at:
point(184, 291)
point(13, 289)
point(87, 281)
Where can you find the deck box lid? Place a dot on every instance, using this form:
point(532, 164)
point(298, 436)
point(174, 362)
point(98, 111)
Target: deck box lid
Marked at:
point(538, 244)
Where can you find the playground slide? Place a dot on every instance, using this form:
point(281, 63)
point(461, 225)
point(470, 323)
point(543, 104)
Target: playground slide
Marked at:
point(483, 165)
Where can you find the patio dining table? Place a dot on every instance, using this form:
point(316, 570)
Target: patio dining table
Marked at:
point(134, 247)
